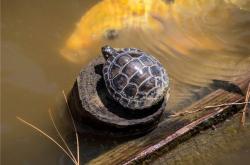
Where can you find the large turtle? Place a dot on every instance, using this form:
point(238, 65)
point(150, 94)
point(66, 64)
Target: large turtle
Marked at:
point(134, 78)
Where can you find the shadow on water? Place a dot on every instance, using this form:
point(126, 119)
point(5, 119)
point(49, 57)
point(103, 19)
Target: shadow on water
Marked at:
point(227, 86)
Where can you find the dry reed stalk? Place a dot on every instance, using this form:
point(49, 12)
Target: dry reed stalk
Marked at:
point(244, 111)
point(60, 135)
point(74, 125)
point(243, 118)
point(67, 151)
point(49, 137)
point(206, 108)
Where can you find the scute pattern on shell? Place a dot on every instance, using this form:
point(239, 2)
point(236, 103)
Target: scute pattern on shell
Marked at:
point(135, 79)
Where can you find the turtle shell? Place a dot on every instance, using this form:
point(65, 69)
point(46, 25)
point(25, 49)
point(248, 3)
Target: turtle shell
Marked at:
point(134, 78)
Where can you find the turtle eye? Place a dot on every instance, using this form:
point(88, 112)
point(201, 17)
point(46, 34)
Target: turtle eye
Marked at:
point(106, 55)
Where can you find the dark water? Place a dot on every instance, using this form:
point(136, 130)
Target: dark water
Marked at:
point(44, 44)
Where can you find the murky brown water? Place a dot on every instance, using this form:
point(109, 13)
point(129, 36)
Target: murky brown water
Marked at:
point(44, 45)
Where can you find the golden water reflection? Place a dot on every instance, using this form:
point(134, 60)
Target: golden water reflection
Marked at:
point(193, 39)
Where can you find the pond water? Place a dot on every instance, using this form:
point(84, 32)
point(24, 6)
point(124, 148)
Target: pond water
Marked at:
point(45, 44)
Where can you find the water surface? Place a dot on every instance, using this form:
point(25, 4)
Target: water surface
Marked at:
point(45, 44)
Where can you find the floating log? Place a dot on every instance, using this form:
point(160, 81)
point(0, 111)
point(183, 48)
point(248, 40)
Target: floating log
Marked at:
point(174, 130)
point(91, 104)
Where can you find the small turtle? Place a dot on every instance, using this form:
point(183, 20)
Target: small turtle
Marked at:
point(134, 78)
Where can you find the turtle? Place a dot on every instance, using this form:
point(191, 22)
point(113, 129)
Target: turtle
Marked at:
point(133, 77)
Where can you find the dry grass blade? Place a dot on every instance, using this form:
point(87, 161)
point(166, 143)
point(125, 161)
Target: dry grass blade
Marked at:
point(60, 135)
point(46, 135)
point(206, 108)
point(74, 125)
point(243, 118)
point(223, 105)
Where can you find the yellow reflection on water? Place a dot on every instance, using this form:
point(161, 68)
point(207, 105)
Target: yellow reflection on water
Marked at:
point(183, 25)
point(196, 41)
point(110, 16)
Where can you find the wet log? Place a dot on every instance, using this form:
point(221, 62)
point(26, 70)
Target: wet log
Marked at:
point(91, 104)
point(174, 130)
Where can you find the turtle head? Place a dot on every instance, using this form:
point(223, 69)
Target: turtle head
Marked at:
point(108, 51)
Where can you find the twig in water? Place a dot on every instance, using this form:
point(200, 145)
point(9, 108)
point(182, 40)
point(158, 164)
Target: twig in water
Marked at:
point(243, 117)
